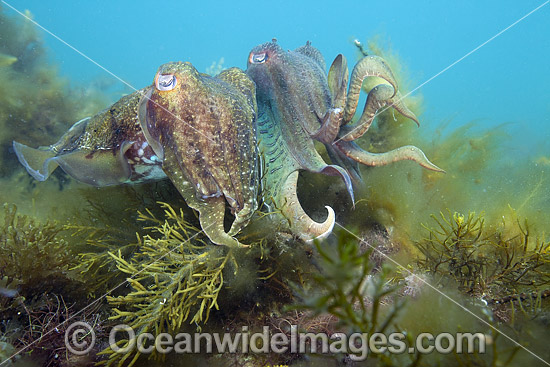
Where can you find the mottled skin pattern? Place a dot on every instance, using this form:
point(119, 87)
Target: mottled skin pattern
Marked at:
point(285, 142)
point(204, 128)
point(298, 104)
point(108, 148)
point(200, 132)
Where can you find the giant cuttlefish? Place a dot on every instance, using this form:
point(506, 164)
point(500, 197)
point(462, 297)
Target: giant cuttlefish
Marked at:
point(203, 133)
point(298, 104)
point(197, 130)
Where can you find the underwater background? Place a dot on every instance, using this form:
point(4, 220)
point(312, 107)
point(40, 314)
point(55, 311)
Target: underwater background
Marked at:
point(479, 76)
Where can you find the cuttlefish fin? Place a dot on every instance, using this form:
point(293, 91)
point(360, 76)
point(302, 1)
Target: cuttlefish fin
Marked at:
point(99, 168)
point(39, 163)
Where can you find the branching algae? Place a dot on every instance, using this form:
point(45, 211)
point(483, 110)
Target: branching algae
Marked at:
point(483, 263)
point(174, 279)
point(32, 255)
point(348, 289)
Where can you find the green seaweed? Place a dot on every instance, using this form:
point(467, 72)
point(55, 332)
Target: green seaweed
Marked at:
point(352, 289)
point(481, 169)
point(34, 258)
point(37, 105)
point(488, 264)
point(110, 223)
point(38, 289)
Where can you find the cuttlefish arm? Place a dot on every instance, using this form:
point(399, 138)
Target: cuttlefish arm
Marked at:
point(301, 224)
point(211, 210)
point(408, 152)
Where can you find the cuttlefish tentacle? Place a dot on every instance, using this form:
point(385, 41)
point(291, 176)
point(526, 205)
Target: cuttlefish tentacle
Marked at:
point(301, 223)
point(408, 152)
point(211, 217)
point(337, 84)
point(330, 126)
point(211, 211)
point(367, 66)
point(242, 218)
point(337, 80)
point(379, 97)
point(340, 159)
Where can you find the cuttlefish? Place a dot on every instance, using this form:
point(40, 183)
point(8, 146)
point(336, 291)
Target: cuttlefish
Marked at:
point(204, 129)
point(197, 130)
point(299, 104)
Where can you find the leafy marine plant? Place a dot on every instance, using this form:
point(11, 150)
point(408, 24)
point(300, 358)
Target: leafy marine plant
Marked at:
point(345, 281)
point(506, 265)
point(34, 258)
point(37, 289)
point(110, 223)
point(40, 113)
point(488, 263)
point(353, 291)
point(175, 278)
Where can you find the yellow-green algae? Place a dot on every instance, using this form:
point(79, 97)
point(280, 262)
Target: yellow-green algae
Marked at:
point(36, 104)
point(173, 278)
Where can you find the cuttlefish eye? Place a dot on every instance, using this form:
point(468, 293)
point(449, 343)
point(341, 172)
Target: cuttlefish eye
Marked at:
point(166, 82)
point(259, 58)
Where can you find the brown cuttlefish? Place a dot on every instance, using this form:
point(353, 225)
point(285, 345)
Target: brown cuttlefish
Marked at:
point(197, 130)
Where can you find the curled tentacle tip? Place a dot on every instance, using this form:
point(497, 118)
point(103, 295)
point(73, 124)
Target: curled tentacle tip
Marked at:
point(328, 224)
point(237, 244)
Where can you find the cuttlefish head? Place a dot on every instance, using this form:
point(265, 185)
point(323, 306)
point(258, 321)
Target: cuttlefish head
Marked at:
point(204, 130)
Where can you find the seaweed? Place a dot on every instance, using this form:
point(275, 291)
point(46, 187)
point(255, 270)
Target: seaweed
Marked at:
point(43, 338)
point(486, 264)
point(482, 164)
point(110, 223)
point(34, 258)
point(174, 279)
point(38, 291)
point(352, 291)
point(36, 103)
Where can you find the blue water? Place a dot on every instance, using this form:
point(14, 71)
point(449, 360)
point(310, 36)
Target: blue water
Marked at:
point(504, 81)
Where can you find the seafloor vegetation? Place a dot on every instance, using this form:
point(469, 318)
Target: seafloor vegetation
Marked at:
point(134, 254)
